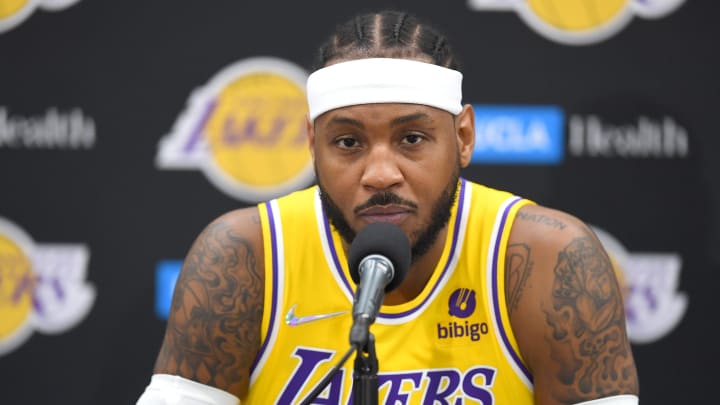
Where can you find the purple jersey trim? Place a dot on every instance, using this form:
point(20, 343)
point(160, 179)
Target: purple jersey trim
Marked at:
point(273, 308)
point(446, 267)
point(496, 293)
point(333, 253)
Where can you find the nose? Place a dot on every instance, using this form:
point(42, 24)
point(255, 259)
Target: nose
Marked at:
point(381, 170)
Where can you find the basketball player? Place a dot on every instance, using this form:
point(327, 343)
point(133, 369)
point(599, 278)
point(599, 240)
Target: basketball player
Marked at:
point(505, 302)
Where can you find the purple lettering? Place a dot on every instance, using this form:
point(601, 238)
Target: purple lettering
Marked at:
point(443, 387)
point(442, 332)
point(458, 330)
point(434, 390)
point(395, 384)
point(23, 287)
point(309, 360)
point(301, 137)
point(334, 388)
point(250, 133)
point(481, 391)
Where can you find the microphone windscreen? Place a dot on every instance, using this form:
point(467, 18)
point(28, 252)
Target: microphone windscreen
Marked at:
point(385, 239)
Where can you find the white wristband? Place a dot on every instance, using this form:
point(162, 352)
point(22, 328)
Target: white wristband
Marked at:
point(614, 400)
point(165, 389)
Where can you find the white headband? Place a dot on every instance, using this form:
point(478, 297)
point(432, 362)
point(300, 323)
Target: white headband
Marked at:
point(383, 80)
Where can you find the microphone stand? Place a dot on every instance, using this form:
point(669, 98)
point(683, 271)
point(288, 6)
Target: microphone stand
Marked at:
point(365, 378)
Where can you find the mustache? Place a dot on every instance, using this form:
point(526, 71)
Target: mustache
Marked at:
point(385, 198)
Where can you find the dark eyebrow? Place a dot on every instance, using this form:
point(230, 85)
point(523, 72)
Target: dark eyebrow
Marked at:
point(339, 120)
point(409, 118)
point(345, 120)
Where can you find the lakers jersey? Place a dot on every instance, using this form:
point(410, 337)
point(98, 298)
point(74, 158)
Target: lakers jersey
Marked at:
point(452, 344)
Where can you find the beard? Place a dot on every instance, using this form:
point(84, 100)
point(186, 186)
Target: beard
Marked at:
point(424, 238)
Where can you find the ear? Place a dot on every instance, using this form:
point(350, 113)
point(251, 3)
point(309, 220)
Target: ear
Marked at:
point(465, 128)
point(310, 130)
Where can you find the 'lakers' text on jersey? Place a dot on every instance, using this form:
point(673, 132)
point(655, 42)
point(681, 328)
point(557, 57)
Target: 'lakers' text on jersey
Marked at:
point(452, 344)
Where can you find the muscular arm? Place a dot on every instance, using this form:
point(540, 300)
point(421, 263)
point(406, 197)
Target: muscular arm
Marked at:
point(213, 331)
point(566, 309)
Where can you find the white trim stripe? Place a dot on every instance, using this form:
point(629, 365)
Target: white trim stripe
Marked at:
point(492, 293)
point(278, 274)
point(329, 251)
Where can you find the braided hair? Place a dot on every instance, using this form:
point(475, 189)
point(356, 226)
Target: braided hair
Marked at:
point(386, 34)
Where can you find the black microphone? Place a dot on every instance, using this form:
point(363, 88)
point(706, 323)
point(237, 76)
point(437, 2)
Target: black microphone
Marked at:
point(379, 259)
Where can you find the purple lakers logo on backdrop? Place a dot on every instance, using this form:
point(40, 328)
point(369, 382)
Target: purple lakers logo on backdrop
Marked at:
point(14, 12)
point(43, 287)
point(653, 306)
point(579, 22)
point(461, 304)
point(245, 130)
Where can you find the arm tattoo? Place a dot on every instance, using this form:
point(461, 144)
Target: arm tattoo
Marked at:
point(517, 270)
point(212, 334)
point(587, 320)
point(542, 219)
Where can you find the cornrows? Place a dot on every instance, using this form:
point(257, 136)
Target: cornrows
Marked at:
point(386, 34)
point(398, 26)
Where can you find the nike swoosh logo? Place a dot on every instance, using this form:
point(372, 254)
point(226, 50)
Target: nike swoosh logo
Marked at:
point(293, 320)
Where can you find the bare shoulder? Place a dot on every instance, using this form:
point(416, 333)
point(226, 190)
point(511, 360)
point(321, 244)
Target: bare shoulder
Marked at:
point(566, 309)
point(213, 330)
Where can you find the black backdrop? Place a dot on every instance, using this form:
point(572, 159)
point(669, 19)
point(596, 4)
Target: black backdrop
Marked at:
point(119, 74)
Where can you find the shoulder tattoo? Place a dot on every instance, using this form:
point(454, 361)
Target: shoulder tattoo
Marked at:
point(542, 219)
point(517, 268)
point(587, 324)
point(212, 333)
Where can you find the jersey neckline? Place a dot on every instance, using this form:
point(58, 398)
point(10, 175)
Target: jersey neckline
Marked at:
point(394, 314)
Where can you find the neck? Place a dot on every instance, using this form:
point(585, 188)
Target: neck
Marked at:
point(419, 273)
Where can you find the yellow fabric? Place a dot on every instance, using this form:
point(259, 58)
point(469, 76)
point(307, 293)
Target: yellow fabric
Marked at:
point(445, 344)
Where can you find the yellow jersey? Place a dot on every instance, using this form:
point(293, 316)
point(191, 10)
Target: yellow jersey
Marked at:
point(452, 344)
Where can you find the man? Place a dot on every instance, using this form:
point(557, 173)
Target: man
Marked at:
point(505, 302)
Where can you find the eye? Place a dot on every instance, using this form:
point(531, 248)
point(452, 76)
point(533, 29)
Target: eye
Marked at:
point(346, 143)
point(412, 139)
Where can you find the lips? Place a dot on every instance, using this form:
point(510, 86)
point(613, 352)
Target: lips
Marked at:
point(389, 213)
